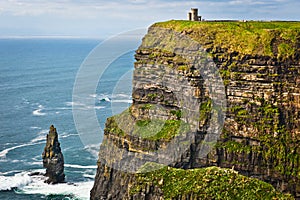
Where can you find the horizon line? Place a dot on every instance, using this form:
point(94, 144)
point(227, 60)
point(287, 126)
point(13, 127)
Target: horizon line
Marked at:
point(49, 37)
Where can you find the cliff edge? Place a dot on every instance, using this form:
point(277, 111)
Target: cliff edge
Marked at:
point(183, 118)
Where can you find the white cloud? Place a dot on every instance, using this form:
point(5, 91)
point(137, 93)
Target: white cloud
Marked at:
point(35, 8)
point(97, 16)
point(126, 10)
point(248, 2)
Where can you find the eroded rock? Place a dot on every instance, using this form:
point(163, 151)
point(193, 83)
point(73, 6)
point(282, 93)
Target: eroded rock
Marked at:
point(53, 159)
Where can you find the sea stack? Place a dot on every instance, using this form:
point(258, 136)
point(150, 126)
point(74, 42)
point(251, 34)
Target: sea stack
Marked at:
point(53, 159)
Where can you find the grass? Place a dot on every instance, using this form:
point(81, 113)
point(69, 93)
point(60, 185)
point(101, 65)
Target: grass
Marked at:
point(275, 39)
point(159, 129)
point(205, 109)
point(204, 183)
point(111, 126)
point(177, 113)
point(154, 130)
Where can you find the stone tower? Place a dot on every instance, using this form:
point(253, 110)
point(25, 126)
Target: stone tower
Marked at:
point(194, 12)
point(193, 15)
point(189, 16)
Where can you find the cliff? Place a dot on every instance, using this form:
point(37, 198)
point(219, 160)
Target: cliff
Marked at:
point(53, 159)
point(224, 94)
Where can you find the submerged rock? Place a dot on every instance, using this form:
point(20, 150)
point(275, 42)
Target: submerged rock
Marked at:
point(53, 159)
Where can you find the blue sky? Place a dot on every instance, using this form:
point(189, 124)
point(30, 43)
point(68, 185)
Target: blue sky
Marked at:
point(101, 19)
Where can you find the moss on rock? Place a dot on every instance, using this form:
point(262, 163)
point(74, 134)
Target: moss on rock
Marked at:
point(204, 183)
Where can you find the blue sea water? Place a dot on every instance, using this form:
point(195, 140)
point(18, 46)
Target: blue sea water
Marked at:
point(36, 84)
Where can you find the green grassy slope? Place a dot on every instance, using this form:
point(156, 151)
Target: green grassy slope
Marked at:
point(278, 39)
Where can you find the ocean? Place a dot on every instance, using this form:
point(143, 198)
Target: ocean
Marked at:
point(36, 84)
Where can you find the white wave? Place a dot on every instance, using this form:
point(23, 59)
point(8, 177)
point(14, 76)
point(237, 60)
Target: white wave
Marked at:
point(122, 95)
point(37, 158)
point(65, 135)
point(9, 172)
point(39, 138)
point(74, 104)
point(104, 98)
point(11, 161)
point(89, 176)
point(16, 181)
point(92, 107)
point(81, 166)
point(4, 152)
point(35, 127)
point(38, 112)
point(99, 107)
point(93, 95)
point(36, 163)
point(81, 106)
point(17, 161)
point(80, 190)
point(8, 143)
point(122, 101)
point(110, 96)
point(64, 108)
point(27, 184)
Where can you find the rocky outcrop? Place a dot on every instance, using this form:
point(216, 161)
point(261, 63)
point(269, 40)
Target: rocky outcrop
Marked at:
point(172, 84)
point(53, 159)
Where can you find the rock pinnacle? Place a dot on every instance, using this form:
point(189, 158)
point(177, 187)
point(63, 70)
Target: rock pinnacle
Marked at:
point(53, 159)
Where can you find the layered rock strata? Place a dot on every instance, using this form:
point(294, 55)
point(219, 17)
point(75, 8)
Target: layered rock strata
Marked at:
point(174, 86)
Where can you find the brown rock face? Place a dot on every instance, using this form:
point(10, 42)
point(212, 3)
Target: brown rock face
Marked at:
point(261, 133)
point(53, 159)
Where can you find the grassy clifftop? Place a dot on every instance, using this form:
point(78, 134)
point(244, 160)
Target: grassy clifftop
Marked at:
point(275, 39)
point(205, 183)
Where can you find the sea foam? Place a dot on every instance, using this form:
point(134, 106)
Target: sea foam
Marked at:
point(16, 181)
point(38, 112)
point(81, 166)
point(26, 184)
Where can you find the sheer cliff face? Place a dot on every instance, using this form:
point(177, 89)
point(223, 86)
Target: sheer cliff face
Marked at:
point(256, 109)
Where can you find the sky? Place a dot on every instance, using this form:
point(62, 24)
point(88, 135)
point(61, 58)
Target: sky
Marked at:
point(105, 18)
